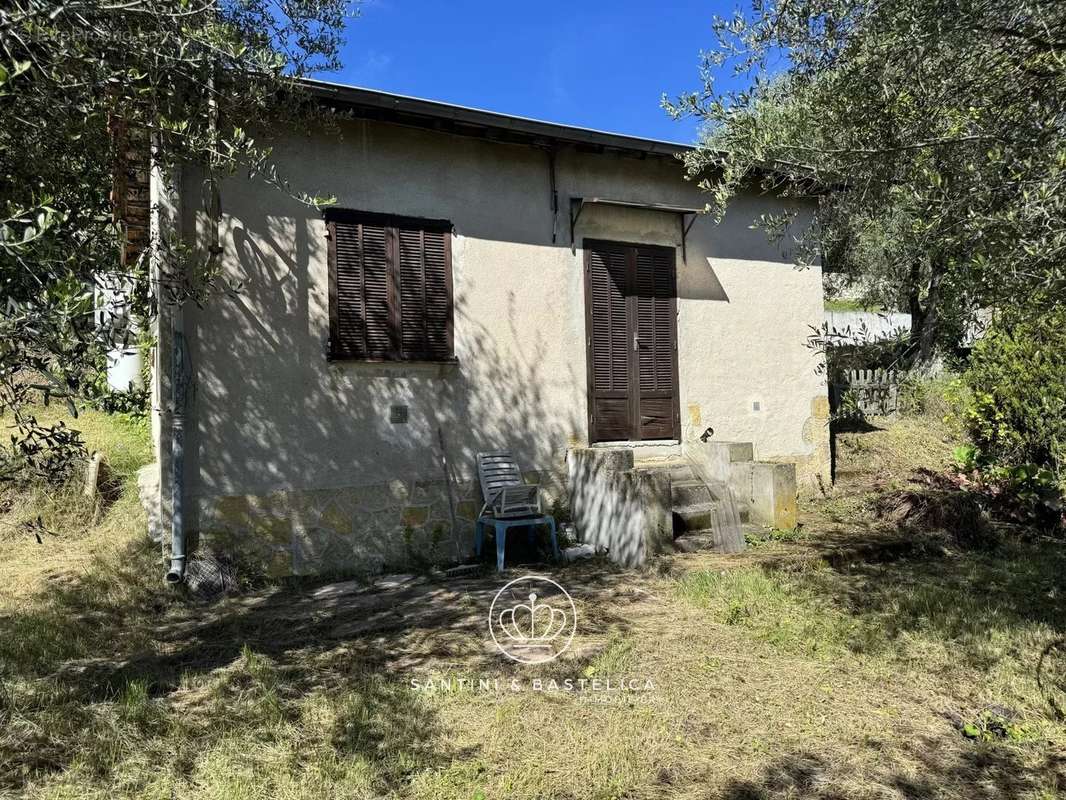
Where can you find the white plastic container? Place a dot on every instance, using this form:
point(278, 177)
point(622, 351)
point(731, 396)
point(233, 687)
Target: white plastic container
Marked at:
point(124, 369)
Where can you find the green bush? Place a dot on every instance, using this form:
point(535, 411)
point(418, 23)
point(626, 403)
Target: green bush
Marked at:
point(1015, 384)
point(923, 396)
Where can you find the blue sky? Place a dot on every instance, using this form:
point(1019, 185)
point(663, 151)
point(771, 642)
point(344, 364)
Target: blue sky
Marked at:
point(595, 64)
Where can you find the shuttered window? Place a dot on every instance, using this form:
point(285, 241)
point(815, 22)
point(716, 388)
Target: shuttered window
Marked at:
point(390, 287)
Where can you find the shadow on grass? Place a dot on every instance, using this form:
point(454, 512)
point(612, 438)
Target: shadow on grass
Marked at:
point(995, 615)
point(108, 660)
point(975, 772)
point(976, 601)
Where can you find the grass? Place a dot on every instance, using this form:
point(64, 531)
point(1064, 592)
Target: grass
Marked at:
point(885, 452)
point(775, 608)
point(843, 304)
point(775, 536)
point(782, 672)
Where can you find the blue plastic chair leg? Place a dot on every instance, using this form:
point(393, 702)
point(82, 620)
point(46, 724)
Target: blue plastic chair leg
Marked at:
point(501, 545)
point(478, 534)
point(555, 543)
point(531, 534)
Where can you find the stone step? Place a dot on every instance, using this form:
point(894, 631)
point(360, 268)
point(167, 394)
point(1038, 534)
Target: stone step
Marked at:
point(659, 463)
point(701, 540)
point(678, 468)
point(682, 472)
point(688, 492)
point(695, 541)
point(694, 517)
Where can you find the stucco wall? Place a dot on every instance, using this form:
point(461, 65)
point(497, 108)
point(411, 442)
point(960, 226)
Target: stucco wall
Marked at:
point(272, 415)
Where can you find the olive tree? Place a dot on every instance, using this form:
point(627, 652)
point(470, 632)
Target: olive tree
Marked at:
point(931, 133)
point(82, 81)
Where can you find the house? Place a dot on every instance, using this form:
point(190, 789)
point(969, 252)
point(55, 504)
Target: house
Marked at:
point(482, 282)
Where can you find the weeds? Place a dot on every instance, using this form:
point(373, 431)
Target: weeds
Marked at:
point(775, 536)
point(616, 659)
point(995, 724)
point(774, 607)
point(776, 675)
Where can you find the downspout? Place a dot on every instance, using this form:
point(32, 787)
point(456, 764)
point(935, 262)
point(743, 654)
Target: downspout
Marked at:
point(554, 192)
point(180, 370)
point(176, 573)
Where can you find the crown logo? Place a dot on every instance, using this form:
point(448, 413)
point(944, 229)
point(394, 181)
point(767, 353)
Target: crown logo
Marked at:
point(535, 631)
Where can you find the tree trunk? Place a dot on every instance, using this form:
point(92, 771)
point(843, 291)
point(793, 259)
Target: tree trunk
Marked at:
point(914, 303)
point(930, 326)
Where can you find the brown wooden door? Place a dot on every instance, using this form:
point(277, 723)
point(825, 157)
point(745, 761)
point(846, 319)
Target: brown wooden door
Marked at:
point(631, 324)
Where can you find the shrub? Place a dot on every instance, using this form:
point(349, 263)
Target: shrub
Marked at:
point(1016, 382)
point(925, 396)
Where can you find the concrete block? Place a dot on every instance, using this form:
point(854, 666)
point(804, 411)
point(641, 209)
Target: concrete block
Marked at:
point(715, 459)
point(739, 480)
point(773, 495)
point(150, 497)
point(739, 451)
point(649, 492)
point(622, 511)
point(578, 551)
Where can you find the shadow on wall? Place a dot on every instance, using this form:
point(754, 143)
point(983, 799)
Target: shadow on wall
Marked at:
point(735, 238)
point(504, 192)
point(273, 416)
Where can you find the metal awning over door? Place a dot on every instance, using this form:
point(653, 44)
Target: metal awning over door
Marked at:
point(577, 205)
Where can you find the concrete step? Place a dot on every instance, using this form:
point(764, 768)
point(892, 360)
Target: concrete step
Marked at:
point(659, 450)
point(679, 468)
point(695, 541)
point(687, 492)
point(666, 462)
point(700, 540)
point(681, 472)
point(694, 517)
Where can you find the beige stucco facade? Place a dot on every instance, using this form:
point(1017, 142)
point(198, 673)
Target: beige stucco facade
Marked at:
point(293, 457)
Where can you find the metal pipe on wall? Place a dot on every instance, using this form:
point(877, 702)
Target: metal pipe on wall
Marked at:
point(178, 556)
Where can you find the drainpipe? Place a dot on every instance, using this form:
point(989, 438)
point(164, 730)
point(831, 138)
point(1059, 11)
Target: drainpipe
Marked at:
point(176, 573)
point(180, 372)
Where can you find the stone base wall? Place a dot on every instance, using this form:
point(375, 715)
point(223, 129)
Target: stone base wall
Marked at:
point(358, 529)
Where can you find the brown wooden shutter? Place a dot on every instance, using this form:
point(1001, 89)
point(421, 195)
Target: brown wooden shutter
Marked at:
point(425, 294)
point(390, 287)
point(348, 313)
point(655, 353)
point(607, 270)
point(364, 327)
point(378, 293)
point(631, 308)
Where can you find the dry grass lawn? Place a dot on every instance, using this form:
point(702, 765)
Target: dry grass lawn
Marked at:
point(841, 660)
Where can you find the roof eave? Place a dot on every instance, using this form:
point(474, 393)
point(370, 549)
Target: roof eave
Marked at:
point(444, 117)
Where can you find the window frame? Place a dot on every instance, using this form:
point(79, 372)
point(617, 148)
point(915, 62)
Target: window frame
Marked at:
point(391, 223)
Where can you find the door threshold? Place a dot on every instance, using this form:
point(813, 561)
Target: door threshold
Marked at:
point(641, 443)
